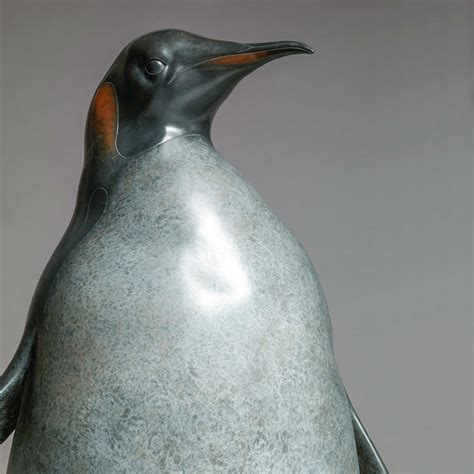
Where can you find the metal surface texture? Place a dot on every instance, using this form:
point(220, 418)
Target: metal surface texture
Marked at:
point(179, 326)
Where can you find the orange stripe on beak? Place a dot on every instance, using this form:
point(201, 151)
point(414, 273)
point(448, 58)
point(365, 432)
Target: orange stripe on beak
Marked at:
point(236, 59)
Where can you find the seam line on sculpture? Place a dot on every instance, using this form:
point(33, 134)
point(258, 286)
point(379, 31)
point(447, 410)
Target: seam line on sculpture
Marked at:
point(78, 243)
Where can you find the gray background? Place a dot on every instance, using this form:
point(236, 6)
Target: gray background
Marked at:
point(363, 150)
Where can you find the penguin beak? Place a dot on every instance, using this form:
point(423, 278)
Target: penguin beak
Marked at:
point(255, 54)
point(244, 57)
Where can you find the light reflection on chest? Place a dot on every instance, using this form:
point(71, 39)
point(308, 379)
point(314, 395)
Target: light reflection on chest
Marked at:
point(211, 266)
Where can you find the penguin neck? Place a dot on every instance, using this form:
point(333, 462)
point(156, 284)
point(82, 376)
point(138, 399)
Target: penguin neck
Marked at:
point(173, 131)
point(152, 134)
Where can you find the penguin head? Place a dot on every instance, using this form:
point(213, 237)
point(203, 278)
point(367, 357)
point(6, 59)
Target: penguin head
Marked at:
point(170, 83)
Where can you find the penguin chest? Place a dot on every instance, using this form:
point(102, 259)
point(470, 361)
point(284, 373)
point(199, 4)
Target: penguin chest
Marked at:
point(192, 335)
point(189, 289)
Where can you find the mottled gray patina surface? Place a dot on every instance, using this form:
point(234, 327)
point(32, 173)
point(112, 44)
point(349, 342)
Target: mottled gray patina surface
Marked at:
point(179, 326)
point(188, 330)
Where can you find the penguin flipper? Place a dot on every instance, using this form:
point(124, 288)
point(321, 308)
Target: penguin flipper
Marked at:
point(370, 461)
point(12, 382)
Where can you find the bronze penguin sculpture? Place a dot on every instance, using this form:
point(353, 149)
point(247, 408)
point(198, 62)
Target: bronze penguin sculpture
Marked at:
point(179, 326)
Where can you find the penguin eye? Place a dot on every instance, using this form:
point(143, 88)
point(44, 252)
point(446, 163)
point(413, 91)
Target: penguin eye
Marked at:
point(154, 66)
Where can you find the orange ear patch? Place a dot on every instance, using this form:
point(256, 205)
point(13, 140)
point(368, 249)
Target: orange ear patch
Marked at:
point(104, 117)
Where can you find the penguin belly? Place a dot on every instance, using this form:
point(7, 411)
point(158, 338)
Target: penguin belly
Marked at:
point(187, 332)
